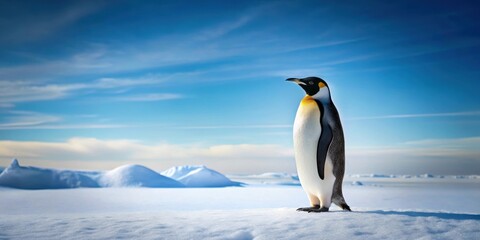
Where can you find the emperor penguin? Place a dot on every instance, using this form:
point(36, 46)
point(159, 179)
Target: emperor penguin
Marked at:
point(319, 146)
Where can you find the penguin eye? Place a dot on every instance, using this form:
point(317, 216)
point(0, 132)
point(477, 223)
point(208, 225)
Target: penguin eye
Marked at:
point(311, 82)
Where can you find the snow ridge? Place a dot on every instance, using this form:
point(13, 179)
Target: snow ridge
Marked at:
point(16, 176)
point(199, 176)
point(136, 176)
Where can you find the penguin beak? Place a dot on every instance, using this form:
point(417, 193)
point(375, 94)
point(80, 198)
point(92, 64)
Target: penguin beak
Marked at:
point(296, 80)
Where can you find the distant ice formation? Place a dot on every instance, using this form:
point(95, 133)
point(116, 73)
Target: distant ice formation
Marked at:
point(16, 176)
point(199, 176)
point(136, 176)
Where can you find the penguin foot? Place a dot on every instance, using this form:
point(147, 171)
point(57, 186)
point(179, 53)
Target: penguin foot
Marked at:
point(313, 209)
point(344, 206)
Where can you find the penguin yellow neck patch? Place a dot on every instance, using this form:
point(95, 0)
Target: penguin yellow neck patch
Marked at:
point(321, 85)
point(307, 100)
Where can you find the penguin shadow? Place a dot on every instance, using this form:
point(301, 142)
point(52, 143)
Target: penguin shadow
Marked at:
point(441, 215)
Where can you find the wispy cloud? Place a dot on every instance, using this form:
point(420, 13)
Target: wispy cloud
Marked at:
point(24, 119)
point(421, 115)
point(32, 27)
point(452, 153)
point(439, 156)
point(300, 72)
point(410, 158)
point(24, 91)
point(15, 120)
point(7, 105)
point(225, 28)
point(63, 126)
point(217, 41)
point(233, 157)
point(262, 126)
point(149, 97)
point(323, 44)
point(12, 92)
point(470, 142)
point(447, 148)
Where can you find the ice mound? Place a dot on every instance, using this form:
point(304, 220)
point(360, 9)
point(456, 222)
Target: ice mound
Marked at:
point(357, 183)
point(16, 176)
point(426, 175)
point(269, 178)
point(136, 176)
point(199, 176)
point(274, 175)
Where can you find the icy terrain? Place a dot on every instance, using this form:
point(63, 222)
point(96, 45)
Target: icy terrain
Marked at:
point(16, 176)
point(383, 208)
point(135, 176)
point(199, 176)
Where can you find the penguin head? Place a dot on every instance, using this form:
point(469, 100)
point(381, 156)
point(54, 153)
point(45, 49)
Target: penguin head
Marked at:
point(313, 86)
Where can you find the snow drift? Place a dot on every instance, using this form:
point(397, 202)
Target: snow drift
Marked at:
point(16, 176)
point(136, 176)
point(199, 176)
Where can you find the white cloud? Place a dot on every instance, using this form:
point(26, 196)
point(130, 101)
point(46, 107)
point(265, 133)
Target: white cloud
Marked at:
point(225, 28)
point(105, 83)
point(264, 126)
point(32, 27)
point(25, 119)
point(149, 97)
point(472, 142)
point(12, 92)
point(23, 91)
point(421, 115)
point(177, 49)
point(423, 157)
point(164, 50)
point(15, 120)
point(6, 105)
point(439, 156)
point(448, 148)
point(230, 158)
point(66, 126)
point(453, 152)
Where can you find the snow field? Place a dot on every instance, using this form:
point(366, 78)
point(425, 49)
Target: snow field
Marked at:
point(393, 207)
point(252, 212)
point(244, 224)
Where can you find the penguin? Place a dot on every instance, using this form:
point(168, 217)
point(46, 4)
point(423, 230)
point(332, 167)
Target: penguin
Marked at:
point(319, 146)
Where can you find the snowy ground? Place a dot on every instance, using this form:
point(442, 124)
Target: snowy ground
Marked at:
point(384, 208)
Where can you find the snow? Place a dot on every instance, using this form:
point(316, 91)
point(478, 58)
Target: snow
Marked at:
point(199, 176)
point(251, 212)
point(272, 178)
point(357, 183)
point(413, 208)
point(16, 176)
point(136, 176)
point(425, 175)
point(273, 175)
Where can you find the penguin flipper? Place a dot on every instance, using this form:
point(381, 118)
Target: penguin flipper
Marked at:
point(324, 141)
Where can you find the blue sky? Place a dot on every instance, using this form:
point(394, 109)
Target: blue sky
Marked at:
point(96, 84)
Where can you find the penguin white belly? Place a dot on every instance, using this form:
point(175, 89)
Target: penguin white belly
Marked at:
point(307, 130)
